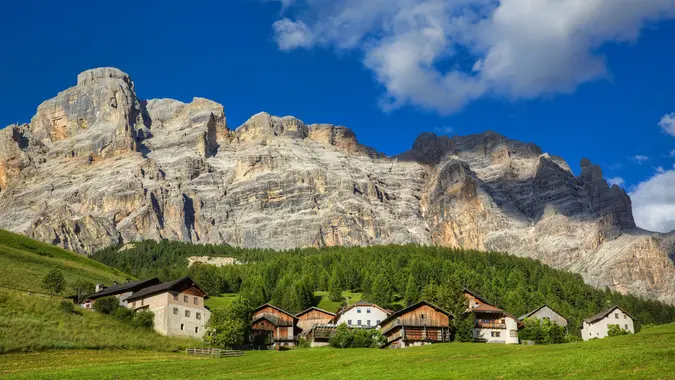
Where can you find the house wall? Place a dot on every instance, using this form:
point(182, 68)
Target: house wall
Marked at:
point(505, 335)
point(313, 317)
point(547, 312)
point(176, 317)
point(600, 328)
point(271, 310)
point(369, 316)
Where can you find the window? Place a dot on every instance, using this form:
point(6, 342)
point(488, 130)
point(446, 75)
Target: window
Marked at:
point(198, 315)
point(421, 316)
point(358, 311)
point(196, 301)
point(616, 315)
point(175, 310)
point(349, 322)
point(503, 321)
point(625, 316)
point(185, 298)
point(368, 311)
point(514, 333)
point(187, 313)
point(626, 326)
point(197, 330)
point(368, 322)
point(495, 334)
point(142, 302)
point(175, 297)
point(358, 323)
point(182, 326)
point(378, 321)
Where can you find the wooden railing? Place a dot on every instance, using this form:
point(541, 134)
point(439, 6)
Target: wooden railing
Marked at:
point(485, 325)
point(213, 352)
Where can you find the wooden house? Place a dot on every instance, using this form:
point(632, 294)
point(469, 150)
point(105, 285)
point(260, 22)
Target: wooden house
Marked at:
point(546, 312)
point(271, 325)
point(313, 316)
point(418, 324)
point(493, 325)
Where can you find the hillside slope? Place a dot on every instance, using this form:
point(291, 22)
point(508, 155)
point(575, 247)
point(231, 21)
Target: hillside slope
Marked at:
point(647, 355)
point(25, 261)
point(97, 166)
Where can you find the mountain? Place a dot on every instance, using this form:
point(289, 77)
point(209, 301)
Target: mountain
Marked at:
point(97, 166)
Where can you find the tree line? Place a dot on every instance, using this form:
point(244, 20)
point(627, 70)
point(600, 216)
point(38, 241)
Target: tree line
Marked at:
point(391, 276)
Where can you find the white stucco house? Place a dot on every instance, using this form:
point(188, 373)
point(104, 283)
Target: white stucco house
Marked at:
point(362, 314)
point(493, 325)
point(598, 325)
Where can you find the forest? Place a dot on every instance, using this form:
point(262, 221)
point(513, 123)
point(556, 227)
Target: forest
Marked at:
point(391, 276)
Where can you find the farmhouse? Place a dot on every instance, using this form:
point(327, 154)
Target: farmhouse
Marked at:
point(361, 314)
point(121, 291)
point(178, 307)
point(546, 312)
point(313, 316)
point(271, 325)
point(597, 326)
point(416, 325)
point(493, 325)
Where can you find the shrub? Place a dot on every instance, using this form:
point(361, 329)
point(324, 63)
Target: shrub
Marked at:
point(67, 306)
point(616, 330)
point(303, 343)
point(542, 331)
point(123, 313)
point(228, 327)
point(144, 319)
point(53, 281)
point(346, 337)
point(106, 305)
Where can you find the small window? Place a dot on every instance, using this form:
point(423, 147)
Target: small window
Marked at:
point(187, 313)
point(185, 298)
point(358, 323)
point(349, 322)
point(175, 310)
point(616, 315)
point(196, 301)
point(197, 330)
point(142, 302)
point(378, 321)
point(625, 316)
point(175, 297)
point(358, 311)
point(626, 326)
point(368, 322)
point(421, 316)
point(495, 334)
point(503, 321)
point(368, 311)
point(182, 326)
point(198, 315)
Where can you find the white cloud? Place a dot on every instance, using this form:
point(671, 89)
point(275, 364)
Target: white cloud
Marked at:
point(444, 129)
point(667, 125)
point(672, 153)
point(616, 181)
point(654, 202)
point(442, 54)
point(640, 159)
point(659, 169)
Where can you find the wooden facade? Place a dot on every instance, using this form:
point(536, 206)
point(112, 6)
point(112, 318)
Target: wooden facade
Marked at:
point(417, 324)
point(313, 316)
point(271, 325)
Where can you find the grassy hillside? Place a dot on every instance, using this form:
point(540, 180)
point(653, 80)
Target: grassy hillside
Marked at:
point(25, 261)
point(647, 355)
point(33, 323)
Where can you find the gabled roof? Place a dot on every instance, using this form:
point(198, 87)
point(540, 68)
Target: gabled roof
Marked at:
point(123, 288)
point(314, 308)
point(605, 313)
point(275, 308)
point(413, 307)
point(466, 290)
point(273, 319)
point(177, 285)
point(487, 307)
point(539, 308)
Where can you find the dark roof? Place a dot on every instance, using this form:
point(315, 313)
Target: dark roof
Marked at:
point(466, 290)
point(273, 307)
point(539, 308)
point(603, 314)
point(180, 284)
point(413, 307)
point(274, 319)
point(314, 308)
point(130, 286)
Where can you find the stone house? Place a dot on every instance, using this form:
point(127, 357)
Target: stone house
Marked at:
point(121, 291)
point(546, 312)
point(597, 326)
point(178, 307)
point(493, 325)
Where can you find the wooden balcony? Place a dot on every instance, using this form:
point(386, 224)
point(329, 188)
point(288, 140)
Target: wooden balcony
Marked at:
point(491, 325)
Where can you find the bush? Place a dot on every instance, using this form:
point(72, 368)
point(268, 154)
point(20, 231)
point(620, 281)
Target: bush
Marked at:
point(144, 319)
point(303, 343)
point(229, 327)
point(123, 313)
point(542, 331)
point(346, 337)
point(616, 330)
point(106, 305)
point(67, 306)
point(53, 281)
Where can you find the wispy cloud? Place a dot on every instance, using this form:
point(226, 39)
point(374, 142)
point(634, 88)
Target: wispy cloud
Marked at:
point(672, 153)
point(667, 125)
point(640, 159)
point(444, 130)
point(517, 49)
point(616, 181)
point(659, 169)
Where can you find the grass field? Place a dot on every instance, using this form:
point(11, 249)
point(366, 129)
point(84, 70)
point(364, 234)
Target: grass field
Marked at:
point(648, 355)
point(328, 305)
point(24, 263)
point(220, 301)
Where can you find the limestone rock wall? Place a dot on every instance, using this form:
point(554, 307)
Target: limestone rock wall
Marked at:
point(97, 166)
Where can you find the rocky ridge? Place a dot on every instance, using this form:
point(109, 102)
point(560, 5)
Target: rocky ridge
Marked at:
point(97, 166)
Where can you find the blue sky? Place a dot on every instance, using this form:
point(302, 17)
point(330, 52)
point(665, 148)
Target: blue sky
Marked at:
point(596, 84)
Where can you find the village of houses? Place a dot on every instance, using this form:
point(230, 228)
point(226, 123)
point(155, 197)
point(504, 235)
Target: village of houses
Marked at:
point(179, 310)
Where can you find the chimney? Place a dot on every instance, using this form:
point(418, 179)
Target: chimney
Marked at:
point(99, 287)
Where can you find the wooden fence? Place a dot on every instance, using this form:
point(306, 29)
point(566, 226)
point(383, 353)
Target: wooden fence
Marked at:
point(213, 352)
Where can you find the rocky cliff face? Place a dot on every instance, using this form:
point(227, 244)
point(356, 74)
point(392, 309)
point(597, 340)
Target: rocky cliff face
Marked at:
point(97, 166)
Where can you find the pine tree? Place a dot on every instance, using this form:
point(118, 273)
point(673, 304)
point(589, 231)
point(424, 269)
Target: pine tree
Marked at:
point(335, 288)
point(412, 291)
